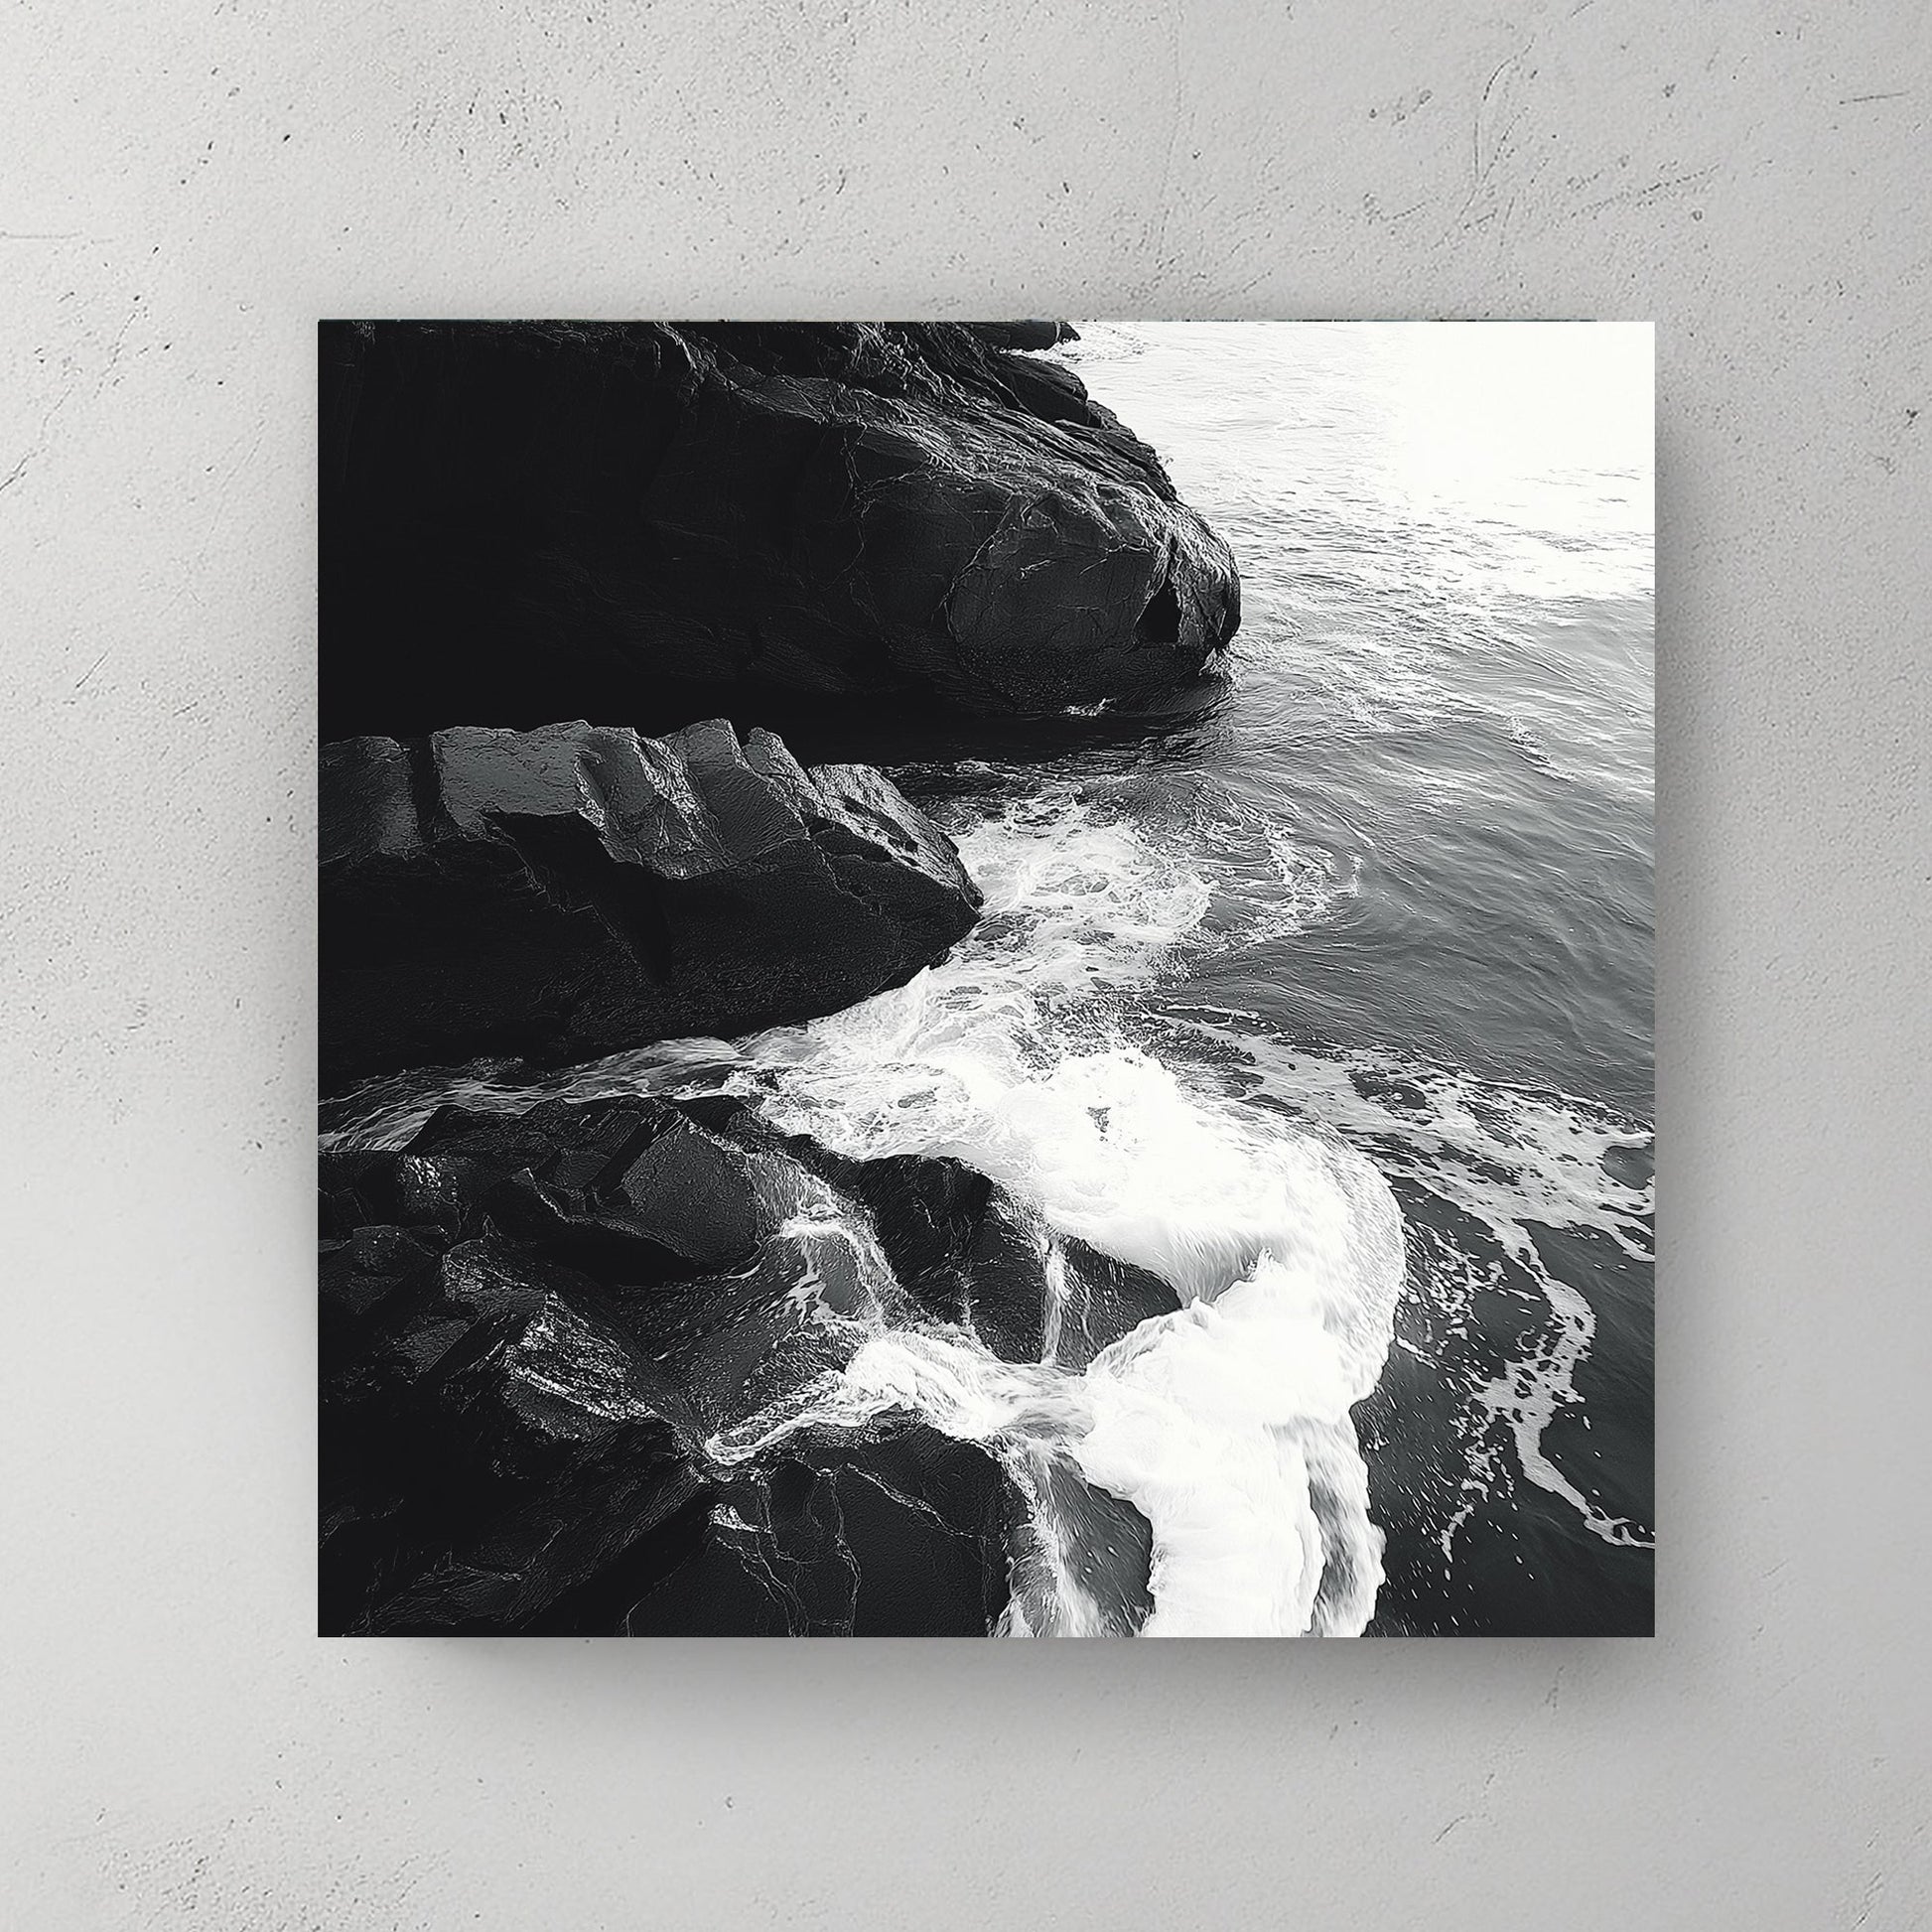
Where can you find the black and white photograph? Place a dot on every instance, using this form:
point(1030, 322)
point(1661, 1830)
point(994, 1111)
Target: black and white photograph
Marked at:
point(986, 979)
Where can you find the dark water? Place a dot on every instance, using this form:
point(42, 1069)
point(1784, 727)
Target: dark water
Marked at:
point(1327, 995)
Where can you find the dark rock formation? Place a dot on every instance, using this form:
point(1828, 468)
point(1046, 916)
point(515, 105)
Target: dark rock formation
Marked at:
point(880, 1536)
point(967, 1252)
point(525, 521)
point(1024, 335)
point(575, 1365)
point(565, 892)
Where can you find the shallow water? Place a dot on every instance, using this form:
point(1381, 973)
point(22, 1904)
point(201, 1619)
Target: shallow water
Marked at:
point(1328, 999)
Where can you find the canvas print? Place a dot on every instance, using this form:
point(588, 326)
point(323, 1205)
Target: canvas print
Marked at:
point(985, 980)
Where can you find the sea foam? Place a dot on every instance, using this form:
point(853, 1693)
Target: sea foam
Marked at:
point(1226, 1424)
point(1254, 1176)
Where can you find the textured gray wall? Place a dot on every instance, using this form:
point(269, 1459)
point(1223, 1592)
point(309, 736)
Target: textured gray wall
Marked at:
point(184, 189)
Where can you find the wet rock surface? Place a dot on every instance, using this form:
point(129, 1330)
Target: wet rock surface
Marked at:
point(567, 892)
point(580, 1372)
point(969, 1254)
point(526, 520)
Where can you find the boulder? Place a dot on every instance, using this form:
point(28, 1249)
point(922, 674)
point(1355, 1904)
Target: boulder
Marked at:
point(1025, 334)
point(566, 892)
point(969, 1253)
point(579, 1369)
point(898, 1532)
point(522, 522)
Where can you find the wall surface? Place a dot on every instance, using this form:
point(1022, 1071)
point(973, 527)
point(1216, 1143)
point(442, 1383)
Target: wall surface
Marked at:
point(185, 188)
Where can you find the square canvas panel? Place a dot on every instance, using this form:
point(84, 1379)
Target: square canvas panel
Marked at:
point(986, 980)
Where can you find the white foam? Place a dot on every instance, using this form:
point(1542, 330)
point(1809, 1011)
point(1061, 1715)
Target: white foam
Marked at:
point(1512, 1157)
point(1226, 1424)
point(1207, 1421)
point(1286, 1246)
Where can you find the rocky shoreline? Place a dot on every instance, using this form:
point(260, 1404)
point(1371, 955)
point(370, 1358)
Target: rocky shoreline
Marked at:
point(551, 1340)
point(552, 1343)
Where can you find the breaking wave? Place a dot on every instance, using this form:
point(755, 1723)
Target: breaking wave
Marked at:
point(1253, 1177)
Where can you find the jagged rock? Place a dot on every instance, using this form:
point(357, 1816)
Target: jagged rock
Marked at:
point(520, 521)
point(565, 892)
point(490, 1436)
point(968, 1252)
point(1025, 334)
point(573, 1373)
point(889, 1535)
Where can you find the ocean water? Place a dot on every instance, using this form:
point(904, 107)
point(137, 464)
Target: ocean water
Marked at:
point(1328, 997)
